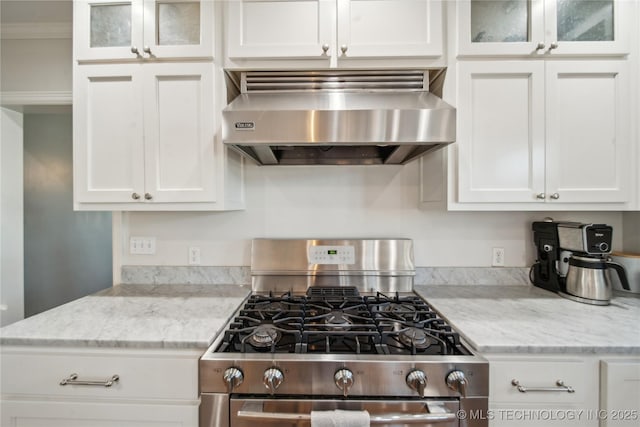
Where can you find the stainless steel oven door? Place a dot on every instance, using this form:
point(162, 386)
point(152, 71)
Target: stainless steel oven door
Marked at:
point(383, 413)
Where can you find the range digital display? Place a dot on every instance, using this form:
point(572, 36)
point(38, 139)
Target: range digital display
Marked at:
point(331, 255)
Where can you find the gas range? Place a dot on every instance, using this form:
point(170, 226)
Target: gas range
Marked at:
point(335, 324)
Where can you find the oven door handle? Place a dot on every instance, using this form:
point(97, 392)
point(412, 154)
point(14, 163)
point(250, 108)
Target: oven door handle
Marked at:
point(253, 411)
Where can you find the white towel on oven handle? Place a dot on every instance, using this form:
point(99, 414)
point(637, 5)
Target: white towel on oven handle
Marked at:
point(340, 418)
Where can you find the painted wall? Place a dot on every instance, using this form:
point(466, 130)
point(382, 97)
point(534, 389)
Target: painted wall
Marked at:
point(11, 223)
point(67, 254)
point(364, 201)
point(36, 45)
point(36, 65)
point(631, 226)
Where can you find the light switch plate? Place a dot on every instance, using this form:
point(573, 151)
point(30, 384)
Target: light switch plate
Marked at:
point(142, 245)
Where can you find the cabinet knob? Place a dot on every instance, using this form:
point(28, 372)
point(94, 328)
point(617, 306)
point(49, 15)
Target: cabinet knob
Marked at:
point(135, 51)
point(147, 196)
point(541, 196)
point(344, 48)
point(325, 48)
point(555, 196)
point(540, 46)
point(147, 50)
point(135, 196)
point(553, 45)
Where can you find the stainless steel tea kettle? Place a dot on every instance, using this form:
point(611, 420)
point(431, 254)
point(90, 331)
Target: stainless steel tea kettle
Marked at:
point(588, 279)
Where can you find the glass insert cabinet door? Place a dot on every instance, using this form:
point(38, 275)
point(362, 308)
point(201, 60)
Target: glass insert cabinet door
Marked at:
point(138, 29)
point(536, 27)
point(178, 28)
point(588, 26)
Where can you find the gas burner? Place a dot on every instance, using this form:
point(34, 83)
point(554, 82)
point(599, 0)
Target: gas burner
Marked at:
point(264, 336)
point(338, 320)
point(397, 308)
point(271, 306)
point(415, 338)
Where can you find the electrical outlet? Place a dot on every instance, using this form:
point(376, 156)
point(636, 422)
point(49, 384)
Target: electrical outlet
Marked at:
point(498, 257)
point(142, 245)
point(194, 255)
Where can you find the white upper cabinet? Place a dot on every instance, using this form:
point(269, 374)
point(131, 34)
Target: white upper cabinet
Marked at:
point(501, 136)
point(108, 133)
point(144, 134)
point(543, 27)
point(179, 137)
point(389, 28)
point(137, 29)
point(588, 151)
point(554, 133)
point(333, 30)
point(279, 29)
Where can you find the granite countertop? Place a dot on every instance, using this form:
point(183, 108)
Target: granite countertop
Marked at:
point(527, 319)
point(134, 316)
point(492, 319)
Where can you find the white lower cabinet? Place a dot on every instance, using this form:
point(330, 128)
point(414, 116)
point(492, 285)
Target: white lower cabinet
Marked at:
point(534, 390)
point(154, 387)
point(538, 399)
point(46, 413)
point(620, 392)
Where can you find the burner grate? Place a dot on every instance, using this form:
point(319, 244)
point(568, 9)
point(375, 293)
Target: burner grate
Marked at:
point(332, 292)
point(339, 320)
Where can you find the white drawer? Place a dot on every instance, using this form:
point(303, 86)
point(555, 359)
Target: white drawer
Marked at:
point(143, 374)
point(533, 374)
point(76, 413)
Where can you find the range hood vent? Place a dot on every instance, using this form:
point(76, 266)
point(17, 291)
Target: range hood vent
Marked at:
point(257, 82)
point(336, 117)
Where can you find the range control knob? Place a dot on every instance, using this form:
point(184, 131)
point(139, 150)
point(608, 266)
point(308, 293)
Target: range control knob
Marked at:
point(272, 379)
point(233, 377)
point(344, 380)
point(417, 380)
point(458, 382)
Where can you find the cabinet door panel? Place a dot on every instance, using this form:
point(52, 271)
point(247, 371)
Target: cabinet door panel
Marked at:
point(279, 29)
point(108, 133)
point(179, 133)
point(587, 27)
point(179, 28)
point(620, 392)
point(588, 134)
point(500, 132)
point(107, 29)
point(561, 27)
point(498, 27)
point(390, 28)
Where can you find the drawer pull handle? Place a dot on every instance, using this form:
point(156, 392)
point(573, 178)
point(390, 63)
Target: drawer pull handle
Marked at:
point(559, 387)
point(73, 380)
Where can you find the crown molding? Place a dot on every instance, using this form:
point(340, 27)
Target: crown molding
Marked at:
point(36, 98)
point(36, 30)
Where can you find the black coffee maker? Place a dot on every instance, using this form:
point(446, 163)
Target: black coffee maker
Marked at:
point(556, 243)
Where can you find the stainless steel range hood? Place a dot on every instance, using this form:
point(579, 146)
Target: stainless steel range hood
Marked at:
point(336, 117)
